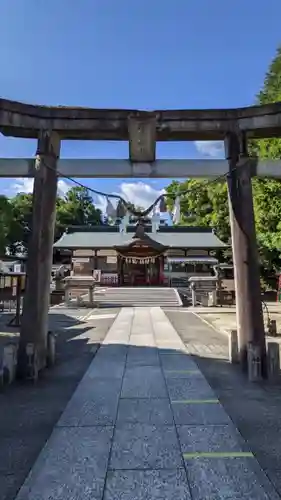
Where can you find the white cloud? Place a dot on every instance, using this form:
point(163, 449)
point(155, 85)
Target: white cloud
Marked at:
point(100, 202)
point(139, 193)
point(25, 185)
point(63, 187)
point(211, 149)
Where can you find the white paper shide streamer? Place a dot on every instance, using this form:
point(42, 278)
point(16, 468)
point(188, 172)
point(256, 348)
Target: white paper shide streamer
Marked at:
point(177, 211)
point(155, 220)
point(125, 221)
point(110, 210)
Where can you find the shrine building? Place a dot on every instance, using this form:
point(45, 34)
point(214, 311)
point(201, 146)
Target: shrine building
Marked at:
point(140, 254)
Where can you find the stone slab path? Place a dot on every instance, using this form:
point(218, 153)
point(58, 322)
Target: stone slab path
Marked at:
point(145, 424)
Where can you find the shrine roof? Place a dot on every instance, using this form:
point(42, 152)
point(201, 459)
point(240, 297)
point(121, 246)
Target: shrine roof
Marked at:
point(110, 236)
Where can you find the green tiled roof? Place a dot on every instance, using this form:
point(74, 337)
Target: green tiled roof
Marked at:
point(174, 237)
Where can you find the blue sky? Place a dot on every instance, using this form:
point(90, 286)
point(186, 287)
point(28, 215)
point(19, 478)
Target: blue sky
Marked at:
point(147, 54)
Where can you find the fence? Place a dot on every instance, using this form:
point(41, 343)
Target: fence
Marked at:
point(11, 286)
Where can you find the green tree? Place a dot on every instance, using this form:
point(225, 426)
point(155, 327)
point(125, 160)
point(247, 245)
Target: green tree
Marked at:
point(204, 205)
point(21, 223)
point(76, 209)
point(267, 192)
point(207, 205)
point(6, 218)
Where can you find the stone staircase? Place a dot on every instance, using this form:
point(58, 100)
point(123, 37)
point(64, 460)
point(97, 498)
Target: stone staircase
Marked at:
point(138, 297)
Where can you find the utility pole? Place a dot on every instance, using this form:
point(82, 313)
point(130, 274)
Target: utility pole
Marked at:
point(250, 325)
point(34, 326)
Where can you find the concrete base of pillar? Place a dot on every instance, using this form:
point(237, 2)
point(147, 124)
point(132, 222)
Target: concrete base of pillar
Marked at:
point(51, 349)
point(254, 363)
point(91, 297)
point(67, 297)
point(233, 347)
point(8, 364)
point(193, 296)
point(273, 359)
point(32, 364)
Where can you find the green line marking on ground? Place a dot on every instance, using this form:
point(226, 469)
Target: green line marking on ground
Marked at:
point(195, 401)
point(183, 371)
point(218, 454)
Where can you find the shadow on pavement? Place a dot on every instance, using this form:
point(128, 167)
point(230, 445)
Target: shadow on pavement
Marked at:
point(28, 411)
point(142, 392)
point(255, 409)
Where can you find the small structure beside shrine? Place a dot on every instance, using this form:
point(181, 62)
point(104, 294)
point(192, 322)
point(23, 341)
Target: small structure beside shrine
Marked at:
point(141, 254)
point(84, 283)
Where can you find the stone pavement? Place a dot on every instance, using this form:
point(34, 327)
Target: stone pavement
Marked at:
point(145, 424)
point(29, 412)
point(255, 409)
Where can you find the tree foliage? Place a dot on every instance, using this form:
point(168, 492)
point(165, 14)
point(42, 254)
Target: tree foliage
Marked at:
point(204, 205)
point(21, 223)
point(207, 204)
point(267, 192)
point(5, 222)
point(75, 208)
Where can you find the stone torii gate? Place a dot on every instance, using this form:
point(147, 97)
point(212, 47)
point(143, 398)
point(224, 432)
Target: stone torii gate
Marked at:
point(50, 125)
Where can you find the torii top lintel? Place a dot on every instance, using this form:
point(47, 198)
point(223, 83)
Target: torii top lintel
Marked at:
point(27, 120)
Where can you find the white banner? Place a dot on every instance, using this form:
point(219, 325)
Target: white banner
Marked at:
point(140, 260)
point(97, 275)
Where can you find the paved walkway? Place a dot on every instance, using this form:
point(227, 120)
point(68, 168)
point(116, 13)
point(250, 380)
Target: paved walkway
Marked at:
point(29, 412)
point(145, 424)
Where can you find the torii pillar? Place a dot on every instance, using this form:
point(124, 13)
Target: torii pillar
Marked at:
point(250, 324)
point(34, 326)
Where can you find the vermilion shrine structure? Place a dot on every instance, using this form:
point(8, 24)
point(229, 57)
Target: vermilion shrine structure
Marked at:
point(142, 129)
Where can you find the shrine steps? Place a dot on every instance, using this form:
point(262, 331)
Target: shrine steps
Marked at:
point(139, 297)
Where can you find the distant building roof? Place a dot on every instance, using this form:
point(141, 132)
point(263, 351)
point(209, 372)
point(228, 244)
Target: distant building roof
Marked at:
point(109, 236)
